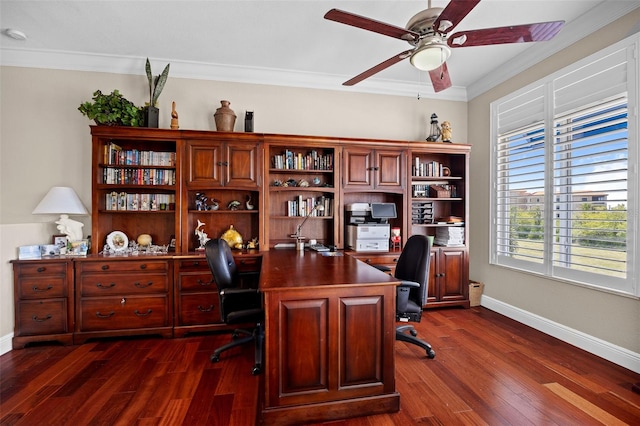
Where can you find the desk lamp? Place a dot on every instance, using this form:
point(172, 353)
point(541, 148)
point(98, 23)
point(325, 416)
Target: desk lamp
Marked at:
point(64, 201)
point(299, 238)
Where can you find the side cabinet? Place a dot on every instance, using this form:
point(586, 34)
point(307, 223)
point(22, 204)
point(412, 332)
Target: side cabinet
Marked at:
point(123, 296)
point(196, 304)
point(43, 292)
point(448, 278)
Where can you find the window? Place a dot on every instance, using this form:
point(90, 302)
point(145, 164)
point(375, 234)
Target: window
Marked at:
point(574, 135)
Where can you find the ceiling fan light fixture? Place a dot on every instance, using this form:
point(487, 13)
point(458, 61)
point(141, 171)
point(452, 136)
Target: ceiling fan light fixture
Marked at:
point(430, 56)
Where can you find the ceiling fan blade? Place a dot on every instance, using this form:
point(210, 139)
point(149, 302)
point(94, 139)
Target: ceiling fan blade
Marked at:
point(453, 13)
point(440, 78)
point(542, 31)
point(370, 25)
point(376, 69)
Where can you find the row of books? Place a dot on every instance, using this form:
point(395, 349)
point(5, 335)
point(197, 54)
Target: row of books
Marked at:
point(313, 160)
point(427, 169)
point(139, 202)
point(114, 154)
point(303, 206)
point(125, 176)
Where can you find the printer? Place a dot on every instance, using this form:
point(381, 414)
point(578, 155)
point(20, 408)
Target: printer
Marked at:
point(368, 226)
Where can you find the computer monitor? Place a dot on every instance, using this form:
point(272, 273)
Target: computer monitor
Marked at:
point(383, 211)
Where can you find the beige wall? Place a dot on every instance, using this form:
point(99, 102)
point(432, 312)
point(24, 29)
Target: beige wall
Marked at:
point(45, 141)
point(602, 315)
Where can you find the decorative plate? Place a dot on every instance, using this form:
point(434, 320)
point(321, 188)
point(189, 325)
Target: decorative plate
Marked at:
point(117, 241)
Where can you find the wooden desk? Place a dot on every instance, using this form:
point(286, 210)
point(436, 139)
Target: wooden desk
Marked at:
point(329, 338)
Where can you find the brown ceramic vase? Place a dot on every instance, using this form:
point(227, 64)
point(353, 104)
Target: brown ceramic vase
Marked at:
point(224, 117)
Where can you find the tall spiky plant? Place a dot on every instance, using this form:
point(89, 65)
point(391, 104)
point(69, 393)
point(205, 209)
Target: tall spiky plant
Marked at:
point(156, 84)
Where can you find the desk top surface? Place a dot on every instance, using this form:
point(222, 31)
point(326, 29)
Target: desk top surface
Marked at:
point(283, 269)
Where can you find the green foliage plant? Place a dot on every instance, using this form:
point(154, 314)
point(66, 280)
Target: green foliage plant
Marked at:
point(156, 84)
point(112, 110)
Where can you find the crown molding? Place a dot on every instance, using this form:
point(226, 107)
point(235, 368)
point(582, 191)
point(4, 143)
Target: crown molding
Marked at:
point(592, 21)
point(116, 64)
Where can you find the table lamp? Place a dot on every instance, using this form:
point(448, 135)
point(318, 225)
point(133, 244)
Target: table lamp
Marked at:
point(299, 238)
point(64, 201)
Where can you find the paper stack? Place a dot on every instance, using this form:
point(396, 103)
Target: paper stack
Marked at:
point(450, 236)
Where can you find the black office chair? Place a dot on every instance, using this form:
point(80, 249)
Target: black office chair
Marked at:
point(237, 305)
point(413, 272)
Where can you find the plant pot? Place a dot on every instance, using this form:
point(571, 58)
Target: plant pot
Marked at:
point(151, 116)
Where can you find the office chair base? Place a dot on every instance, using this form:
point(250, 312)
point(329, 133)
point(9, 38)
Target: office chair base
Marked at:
point(257, 335)
point(411, 338)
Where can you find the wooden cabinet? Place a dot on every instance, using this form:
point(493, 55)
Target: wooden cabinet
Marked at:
point(448, 278)
point(301, 182)
point(43, 293)
point(118, 296)
point(373, 169)
point(196, 304)
point(221, 171)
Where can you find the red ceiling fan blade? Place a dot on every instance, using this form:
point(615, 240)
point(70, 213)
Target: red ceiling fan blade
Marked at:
point(440, 78)
point(451, 16)
point(502, 35)
point(376, 69)
point(370, 25)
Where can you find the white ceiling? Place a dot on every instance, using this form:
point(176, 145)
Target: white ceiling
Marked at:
point(281, 42)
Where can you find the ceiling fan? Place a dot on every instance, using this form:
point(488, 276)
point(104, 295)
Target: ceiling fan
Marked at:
point(428, 34)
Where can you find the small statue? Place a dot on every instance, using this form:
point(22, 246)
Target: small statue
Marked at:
point(233, 205)
point(446, 131)
point(202, 236)
point(174, 116)
point(249, 203)
point(201, 201)
point(215, 204)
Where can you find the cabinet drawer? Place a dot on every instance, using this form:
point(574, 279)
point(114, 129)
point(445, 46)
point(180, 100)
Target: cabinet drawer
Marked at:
point(42, 317)
point(122, 284)
point(193, 265)
point(200, 308)
point(43, 287)
point(386, 259)
point(117, 313)
point(197, 282)
point(248, 264)
point(124, 266)
point(41, 269)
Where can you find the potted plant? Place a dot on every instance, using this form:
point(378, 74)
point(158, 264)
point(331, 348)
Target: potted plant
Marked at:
point(112, 110)
point(151, 111)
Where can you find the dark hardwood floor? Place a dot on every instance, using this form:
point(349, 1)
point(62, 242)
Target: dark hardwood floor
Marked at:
point(488, 370)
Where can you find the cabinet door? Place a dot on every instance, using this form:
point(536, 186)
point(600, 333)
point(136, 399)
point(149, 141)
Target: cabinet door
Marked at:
point(241, 165)
point(358, 164)
point(204, 163)
point(388, 169)
point(447, 278)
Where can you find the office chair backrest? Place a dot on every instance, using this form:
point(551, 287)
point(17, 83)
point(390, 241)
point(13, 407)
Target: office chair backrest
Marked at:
point(221, 263)
point(413, 265)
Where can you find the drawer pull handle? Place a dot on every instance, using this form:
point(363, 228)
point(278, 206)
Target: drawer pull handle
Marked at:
point(140, 314)
point(105, 267)
point(139, 285)
point(36, 319)
point(209, 309)
point(109, 315)
point(143, 266)
point(200, 282)
point(110, 285)
point(196, 263)
point(42, 269)
point(38, 289)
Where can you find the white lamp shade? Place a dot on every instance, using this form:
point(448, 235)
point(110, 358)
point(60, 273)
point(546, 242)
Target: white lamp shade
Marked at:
point(430, 56)
point(61, 200)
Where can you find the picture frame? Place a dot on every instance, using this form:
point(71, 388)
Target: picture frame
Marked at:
point(59, 240)
point(79, 248)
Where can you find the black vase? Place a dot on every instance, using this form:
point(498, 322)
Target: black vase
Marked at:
point(151, 115)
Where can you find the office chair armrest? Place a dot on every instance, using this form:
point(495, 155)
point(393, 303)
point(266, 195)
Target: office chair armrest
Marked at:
point(237, 291)
point(409, 284)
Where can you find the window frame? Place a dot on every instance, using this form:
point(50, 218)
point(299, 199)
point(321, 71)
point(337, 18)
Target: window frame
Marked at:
point(539, 101)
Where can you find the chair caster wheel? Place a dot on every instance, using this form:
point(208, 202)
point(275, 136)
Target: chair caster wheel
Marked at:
point(256, 370)
point(414, 333)
point(431, 354)
point(214, 358)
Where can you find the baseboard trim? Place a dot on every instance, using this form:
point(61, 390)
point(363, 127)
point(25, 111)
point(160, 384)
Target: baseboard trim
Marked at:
point(609, 351)
point(5, 343)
